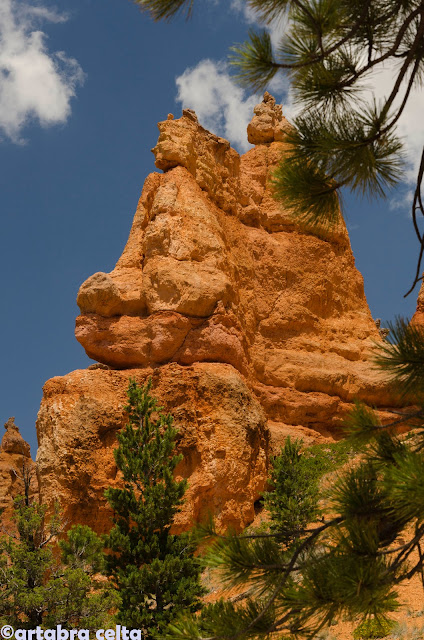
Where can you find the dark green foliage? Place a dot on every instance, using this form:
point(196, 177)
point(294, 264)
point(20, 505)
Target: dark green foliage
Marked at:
point(318, 204)
point(37, 587)
point(83, 549)
point(402, 357)
point(328, 457)
point(361, 422)
point(164, 9)
point(293, 499)
point(258, 60)
point(373, 628)
point(154, 570)
point(329, 152)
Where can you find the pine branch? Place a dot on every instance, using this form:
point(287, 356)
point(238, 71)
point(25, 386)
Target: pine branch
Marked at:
point(165, 9)
point(403, 357)
point(417, 205)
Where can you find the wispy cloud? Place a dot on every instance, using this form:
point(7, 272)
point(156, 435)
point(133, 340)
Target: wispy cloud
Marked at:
point(275, 28)
point(411, 123)
point(221, 105)
point(35, 83)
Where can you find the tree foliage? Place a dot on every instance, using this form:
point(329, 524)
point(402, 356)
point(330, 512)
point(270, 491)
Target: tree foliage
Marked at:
point(293, 497)
point(330, 51)
point(153, 569)
point(39, 586)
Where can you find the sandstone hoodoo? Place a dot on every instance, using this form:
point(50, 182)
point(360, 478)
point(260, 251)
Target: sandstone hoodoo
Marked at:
point(15, 461)
point(252, 325)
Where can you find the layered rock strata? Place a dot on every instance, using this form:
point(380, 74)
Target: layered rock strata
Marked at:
point(252, 325)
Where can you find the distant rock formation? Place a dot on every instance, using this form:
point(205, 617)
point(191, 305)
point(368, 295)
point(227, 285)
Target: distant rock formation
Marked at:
point(252, 325)
point(15, 460)
point(418, 317)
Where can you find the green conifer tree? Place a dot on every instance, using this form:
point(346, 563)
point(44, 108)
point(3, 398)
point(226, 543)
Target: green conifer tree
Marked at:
point(153, 569)
point(40, 588)
point(292, 501)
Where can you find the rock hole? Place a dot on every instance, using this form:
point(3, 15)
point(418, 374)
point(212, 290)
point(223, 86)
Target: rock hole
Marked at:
point(258, 506)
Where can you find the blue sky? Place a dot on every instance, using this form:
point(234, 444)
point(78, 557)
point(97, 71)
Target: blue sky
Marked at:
point(81, 91)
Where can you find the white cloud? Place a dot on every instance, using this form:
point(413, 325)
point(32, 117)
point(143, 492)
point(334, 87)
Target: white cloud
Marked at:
point(221, 106)
point(34, 82)
point(403, 200)
point(249, 14)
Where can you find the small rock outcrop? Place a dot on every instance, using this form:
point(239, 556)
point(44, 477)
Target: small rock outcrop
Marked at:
point(15, 462)
point(268, 124)
point(252, 325)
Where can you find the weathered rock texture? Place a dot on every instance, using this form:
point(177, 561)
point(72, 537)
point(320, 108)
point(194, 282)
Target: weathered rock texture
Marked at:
point(15, 461)
point(222, 437)
point(251, 323)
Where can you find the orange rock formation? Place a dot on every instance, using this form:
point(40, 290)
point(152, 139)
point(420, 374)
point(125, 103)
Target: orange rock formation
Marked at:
point(222, 436)
point(418, 317)
point(15, 461)
point(251, 325)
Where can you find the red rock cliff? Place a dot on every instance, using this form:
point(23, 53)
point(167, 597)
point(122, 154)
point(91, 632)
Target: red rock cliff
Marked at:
point(251, 325)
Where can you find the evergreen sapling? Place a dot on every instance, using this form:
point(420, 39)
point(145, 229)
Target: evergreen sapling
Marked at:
point(153, 569)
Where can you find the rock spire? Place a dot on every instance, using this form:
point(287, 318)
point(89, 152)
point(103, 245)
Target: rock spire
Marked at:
point(251, 325)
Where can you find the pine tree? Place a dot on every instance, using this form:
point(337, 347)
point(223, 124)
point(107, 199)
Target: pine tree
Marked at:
point(153, 569)
point(292, 500)
point(330, 51)
point(40, 588)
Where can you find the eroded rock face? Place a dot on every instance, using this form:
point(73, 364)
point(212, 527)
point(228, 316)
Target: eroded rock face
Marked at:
point(217, 281)
point(237, 282)
point(222, 435)
point(15, 462)
point(268, 123)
